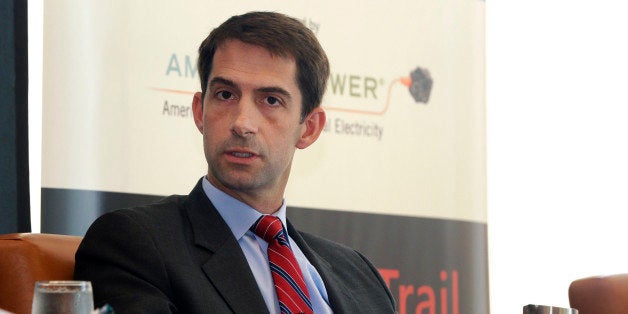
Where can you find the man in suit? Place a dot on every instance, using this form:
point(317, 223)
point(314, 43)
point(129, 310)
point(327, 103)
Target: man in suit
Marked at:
point(263, 76)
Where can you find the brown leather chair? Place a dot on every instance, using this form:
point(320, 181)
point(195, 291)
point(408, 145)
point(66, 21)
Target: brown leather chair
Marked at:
point(600, 295)
point(29, 257)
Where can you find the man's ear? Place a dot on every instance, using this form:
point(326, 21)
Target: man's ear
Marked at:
point(312, 127)
point(197, 109)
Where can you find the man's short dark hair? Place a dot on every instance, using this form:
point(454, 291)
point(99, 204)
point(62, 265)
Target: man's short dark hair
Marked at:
point(282, 36)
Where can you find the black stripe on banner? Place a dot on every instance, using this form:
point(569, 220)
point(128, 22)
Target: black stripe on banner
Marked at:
point(67, 211)
point(431, 265)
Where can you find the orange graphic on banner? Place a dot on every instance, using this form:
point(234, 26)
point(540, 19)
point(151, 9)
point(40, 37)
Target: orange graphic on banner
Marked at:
point(171, 91)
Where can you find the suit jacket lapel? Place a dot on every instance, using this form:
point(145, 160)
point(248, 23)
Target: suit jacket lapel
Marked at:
point(227, 268)
point(337, 291)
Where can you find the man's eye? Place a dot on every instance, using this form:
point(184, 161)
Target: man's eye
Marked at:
point(224, 95)
point(273, 101)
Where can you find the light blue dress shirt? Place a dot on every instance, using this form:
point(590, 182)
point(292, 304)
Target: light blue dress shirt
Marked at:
point(240, 217)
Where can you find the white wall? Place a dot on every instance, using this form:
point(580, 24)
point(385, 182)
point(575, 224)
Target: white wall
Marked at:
point(557, 112)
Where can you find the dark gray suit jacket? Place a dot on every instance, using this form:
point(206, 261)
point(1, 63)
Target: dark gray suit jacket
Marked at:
point(179, 256)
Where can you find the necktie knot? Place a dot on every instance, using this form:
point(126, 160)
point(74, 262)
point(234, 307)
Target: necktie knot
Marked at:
point(268, 228)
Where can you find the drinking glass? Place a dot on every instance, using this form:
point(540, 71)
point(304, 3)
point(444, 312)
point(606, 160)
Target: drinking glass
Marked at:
point(546, 309)
point(52, 297)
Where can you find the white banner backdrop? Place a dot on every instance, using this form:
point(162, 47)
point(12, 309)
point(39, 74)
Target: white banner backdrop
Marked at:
point(119, 78)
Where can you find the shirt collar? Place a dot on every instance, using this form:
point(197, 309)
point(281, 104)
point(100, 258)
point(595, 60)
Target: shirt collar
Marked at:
point(238, 216)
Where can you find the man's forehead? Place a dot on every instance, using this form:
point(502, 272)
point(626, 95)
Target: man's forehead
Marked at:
point(244, 58)
point(273, 52)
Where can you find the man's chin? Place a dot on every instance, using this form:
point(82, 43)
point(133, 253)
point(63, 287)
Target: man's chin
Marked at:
point(243, 186)
point(236, 183)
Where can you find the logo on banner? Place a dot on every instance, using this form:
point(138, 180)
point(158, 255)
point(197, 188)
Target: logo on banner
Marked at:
point(369, 90)
point(419, 84)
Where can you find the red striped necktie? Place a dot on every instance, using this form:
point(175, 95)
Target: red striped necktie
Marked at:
point(289, 283)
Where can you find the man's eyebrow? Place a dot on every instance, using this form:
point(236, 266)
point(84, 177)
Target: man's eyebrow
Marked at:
point(276, 90)
point(221, 80)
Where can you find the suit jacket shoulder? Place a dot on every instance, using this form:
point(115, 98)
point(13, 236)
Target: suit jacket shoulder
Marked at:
point(175, 256)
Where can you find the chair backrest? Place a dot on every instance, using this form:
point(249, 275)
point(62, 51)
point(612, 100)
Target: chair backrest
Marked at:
point(29, 257)
point(600, 295)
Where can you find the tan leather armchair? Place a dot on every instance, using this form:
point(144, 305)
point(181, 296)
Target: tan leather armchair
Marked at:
point(600, 295)
point(29, 257)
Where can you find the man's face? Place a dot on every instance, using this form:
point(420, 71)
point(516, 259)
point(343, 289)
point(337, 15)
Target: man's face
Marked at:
point(249, 118)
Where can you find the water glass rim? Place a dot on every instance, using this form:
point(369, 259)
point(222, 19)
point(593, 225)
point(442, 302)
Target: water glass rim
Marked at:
point(73, 284)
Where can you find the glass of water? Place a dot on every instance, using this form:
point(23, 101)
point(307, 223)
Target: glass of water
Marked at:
point(52, 297)
point(546, 309)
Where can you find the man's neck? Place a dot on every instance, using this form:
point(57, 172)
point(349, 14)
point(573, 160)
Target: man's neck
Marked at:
point(258, 201)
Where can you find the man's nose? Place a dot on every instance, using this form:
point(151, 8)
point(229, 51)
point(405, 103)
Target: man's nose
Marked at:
point(245, 121)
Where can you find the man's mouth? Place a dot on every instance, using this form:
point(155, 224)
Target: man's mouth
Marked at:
point(241, 154)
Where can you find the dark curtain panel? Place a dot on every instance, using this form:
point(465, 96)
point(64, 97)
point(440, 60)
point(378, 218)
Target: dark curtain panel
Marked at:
point(14, 184)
